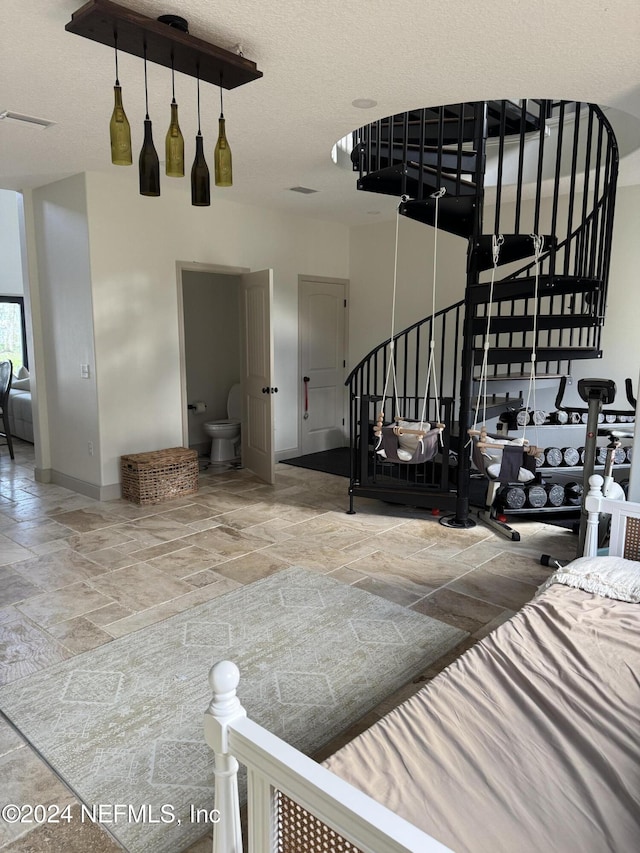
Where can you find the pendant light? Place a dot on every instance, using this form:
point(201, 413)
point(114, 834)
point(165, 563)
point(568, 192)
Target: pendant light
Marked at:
point(200, 180)
point(148, 164)
point(174, 142)
point(222, 153)
point(119, 128)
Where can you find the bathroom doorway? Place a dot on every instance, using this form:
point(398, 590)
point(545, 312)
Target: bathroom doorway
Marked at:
point(214, 315)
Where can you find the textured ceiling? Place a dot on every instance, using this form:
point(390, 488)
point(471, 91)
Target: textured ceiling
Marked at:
point(316, 57)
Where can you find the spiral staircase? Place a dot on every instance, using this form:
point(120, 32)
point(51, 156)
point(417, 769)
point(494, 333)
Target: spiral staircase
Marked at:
point(510, 168)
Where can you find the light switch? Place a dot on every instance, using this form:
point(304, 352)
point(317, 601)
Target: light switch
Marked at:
point(84, 371)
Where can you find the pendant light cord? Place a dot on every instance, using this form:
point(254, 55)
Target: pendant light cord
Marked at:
point(221, 109)
point(198, 80)
point(115, 44)
point(146, 94)
point(173, 82)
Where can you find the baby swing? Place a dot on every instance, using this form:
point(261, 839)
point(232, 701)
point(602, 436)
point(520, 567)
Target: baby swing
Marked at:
point(410, 441)
point(505, 461)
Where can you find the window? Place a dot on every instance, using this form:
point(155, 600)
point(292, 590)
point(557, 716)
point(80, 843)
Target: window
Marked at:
point(13, 332)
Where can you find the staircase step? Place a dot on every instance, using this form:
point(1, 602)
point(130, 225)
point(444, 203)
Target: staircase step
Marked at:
point(497, 405)
point(514, 248)
point(455, 214)
point(524, 288)
point(513, 119)
point(544, 323)
point(519, 376)
point(450, 160)
point(389, 181)
point(521, 355)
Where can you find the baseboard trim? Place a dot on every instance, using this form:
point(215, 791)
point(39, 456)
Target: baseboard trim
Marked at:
point(110, 492)
point(291, 453)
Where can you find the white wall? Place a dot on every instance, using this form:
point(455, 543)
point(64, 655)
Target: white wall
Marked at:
point(371, 279)
point(11, 283)
point(135, 244)
point(66, 312)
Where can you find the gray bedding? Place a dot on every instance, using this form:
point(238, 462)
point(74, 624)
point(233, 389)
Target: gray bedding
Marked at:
point(529, 742)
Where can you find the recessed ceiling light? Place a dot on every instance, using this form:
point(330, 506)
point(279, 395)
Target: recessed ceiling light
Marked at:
point(364, 103)
point(303, 190)
point(8, 115)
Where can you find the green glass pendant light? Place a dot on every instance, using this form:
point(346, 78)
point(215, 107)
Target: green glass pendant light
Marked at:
point(119, 128)
point(174, 141)
point(200, 179)
point(148, 163)
point(222, 153)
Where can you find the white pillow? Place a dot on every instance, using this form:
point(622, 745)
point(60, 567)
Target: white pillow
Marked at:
point(21, 384)
point(524, 475)
point(410, 442)
point(22, 373)
point(612, 577)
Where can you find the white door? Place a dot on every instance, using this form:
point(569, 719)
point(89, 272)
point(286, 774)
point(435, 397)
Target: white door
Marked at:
point(256, 292)
point(321, 324)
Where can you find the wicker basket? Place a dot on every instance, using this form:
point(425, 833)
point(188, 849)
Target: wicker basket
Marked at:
point(159, 475)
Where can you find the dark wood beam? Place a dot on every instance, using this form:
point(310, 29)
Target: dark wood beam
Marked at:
point(101, 20)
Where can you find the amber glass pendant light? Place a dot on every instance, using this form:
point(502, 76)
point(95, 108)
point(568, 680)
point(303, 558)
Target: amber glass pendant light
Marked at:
point(119, 128)
point(148, 163)
point(200, 179)
point(174, 142)
point(222, 153)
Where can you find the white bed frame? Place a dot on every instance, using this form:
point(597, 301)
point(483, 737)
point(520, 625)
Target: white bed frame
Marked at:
point(275, 766)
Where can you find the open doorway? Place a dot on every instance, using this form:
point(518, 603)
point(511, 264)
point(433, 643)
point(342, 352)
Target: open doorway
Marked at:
point(226, 341)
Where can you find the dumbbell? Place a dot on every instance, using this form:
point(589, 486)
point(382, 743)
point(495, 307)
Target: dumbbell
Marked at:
point(573, 494)
point(555, 494)
point(512, 497)
point(552, 457)
point(537, 496)
point(570, 456)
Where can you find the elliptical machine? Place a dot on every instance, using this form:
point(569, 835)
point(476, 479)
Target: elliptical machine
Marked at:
point(596, 393)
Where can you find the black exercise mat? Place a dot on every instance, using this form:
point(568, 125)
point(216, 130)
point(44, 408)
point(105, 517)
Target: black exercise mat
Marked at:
point(334, 461)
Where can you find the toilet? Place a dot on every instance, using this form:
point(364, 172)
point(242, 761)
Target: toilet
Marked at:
point(225, 434)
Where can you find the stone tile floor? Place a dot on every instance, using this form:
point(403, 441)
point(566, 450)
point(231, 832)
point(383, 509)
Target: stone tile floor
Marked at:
point(76, 573)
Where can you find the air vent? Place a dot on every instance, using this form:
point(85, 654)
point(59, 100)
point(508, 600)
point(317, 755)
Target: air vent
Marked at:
point(303, 190)
point(33, 121)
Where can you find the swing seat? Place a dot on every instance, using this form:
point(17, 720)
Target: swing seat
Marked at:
point(418, 445)
point(506, 461)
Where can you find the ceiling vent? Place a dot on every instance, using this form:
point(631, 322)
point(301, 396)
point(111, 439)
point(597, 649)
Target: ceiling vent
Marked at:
point(32, 121)
point(303, 190)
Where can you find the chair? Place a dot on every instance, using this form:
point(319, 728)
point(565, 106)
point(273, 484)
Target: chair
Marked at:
point(6, 374)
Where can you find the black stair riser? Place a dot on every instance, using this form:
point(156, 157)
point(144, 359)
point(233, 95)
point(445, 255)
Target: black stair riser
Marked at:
point(389, 181)
point(521, 355)
point(524, 288)
point(511, 325)
point(455, 215)
point(515, 247)
point(448, 160)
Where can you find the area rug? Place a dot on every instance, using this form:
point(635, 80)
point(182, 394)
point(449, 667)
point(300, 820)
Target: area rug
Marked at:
point(123, 724)
point(336, 461)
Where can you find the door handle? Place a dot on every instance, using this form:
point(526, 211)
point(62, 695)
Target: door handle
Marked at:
point(269, 390)
point(265, 390)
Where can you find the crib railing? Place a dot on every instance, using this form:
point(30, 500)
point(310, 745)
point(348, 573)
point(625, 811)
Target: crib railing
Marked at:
point(294, 804)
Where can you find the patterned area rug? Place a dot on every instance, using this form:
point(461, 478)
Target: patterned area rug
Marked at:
point(123, 724)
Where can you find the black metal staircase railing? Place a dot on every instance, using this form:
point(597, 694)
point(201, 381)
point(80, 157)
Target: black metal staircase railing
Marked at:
point(510, 168)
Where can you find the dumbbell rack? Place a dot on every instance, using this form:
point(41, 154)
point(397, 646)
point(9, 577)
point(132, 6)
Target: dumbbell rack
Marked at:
point(561, 436)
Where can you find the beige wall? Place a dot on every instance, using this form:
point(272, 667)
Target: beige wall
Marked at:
point(11, 283)
point(116, 285)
